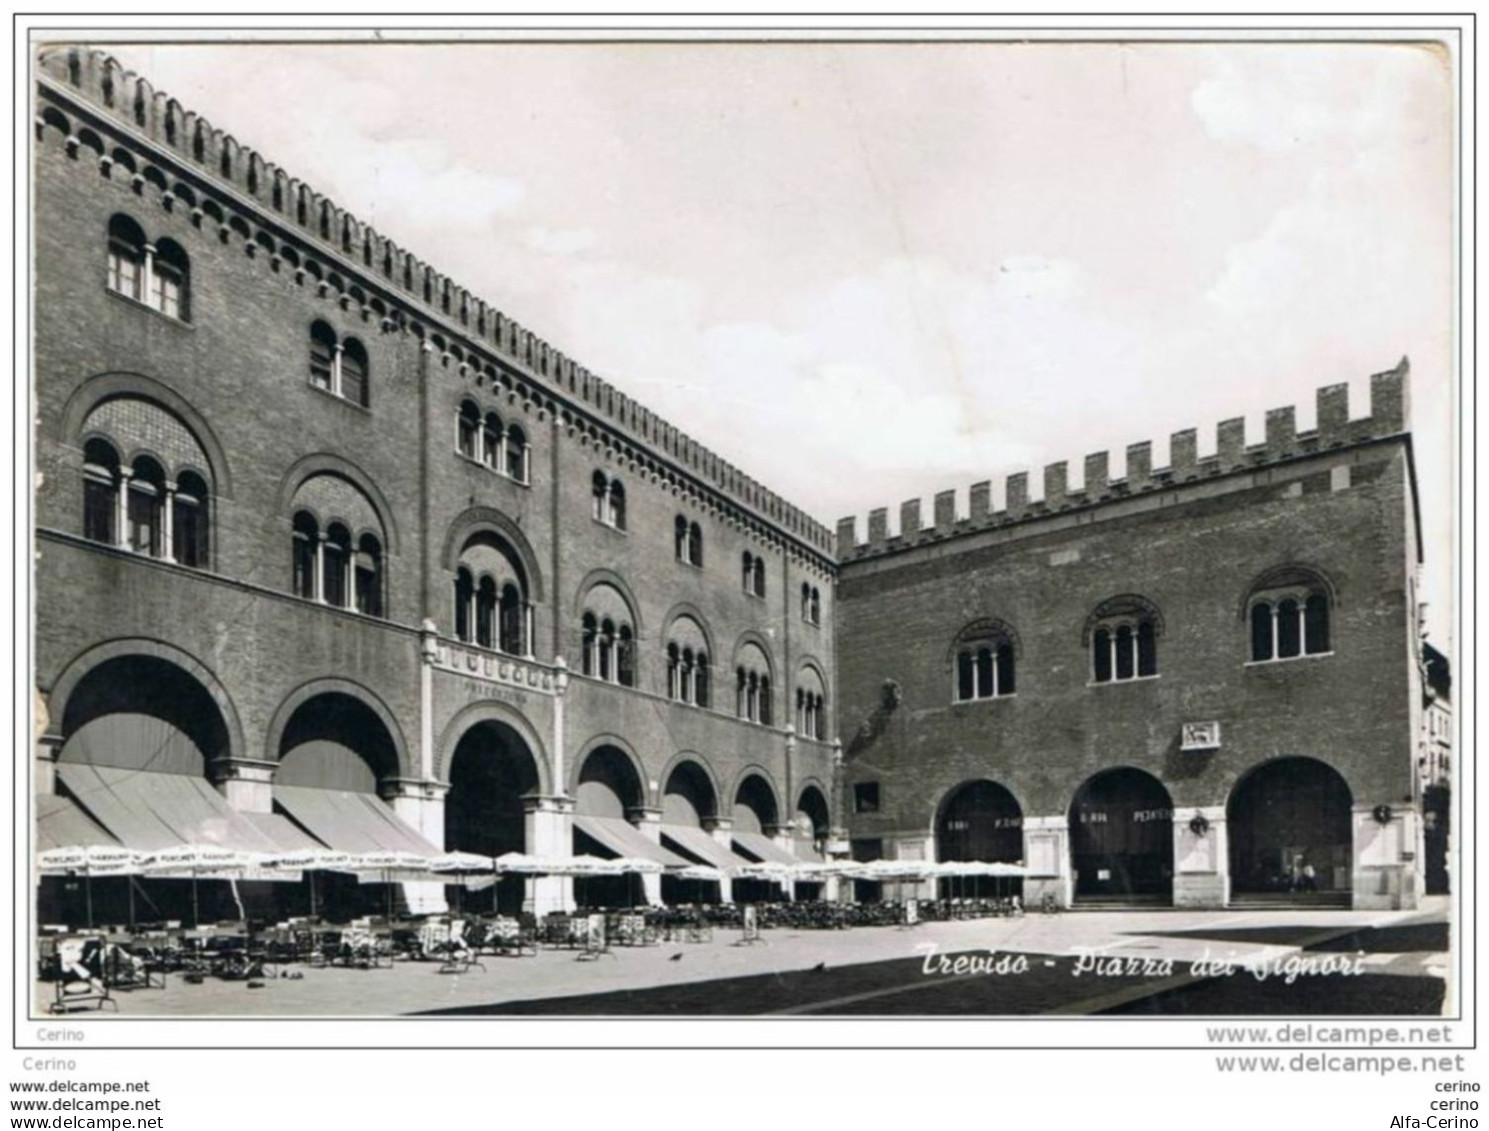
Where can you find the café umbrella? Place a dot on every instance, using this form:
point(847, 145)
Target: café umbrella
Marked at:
point(199, 862)
point(92, 860)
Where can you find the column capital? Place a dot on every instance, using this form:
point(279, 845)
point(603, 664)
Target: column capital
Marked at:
point(638, 814)
point(547, 803)
point(241, 769)
point(780, 829)
point(425, 789)
point(717, 824)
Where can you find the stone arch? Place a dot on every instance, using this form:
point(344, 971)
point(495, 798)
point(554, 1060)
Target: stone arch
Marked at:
point(809, 785)
point(92, 658)
point(1286, 812)
point(101, 387)
point(1123, 606)
point(335, 685)
point(603, 576)
point(1287, 574)
point(683, 758)
point(476, 519)
point(1121, 835)
point(491, 710)
point(755, 770)
point(750, 636)
point(320, 463)
point(946, 795)
point(984, 628)
point(625, 748)
point(694, 614)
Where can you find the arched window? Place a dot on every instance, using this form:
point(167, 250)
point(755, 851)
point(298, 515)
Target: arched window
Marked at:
point(752, 570)
point(126, 257)
point(674, 672)
point(368, 576)
point(806, 602)
point(170, 287)
point(702, 684)
point(606, 650)
point(189, 535)
point(515, 638)
point(306, 551)
point(695, 544)
point(322, 356)
point(467, 429)
point(486, 612)
point(986, 659)
point(517, 454)
point(465, 591)
point(100, 492)
point(816, 617)
point(680, 538)
point(492, 436)
point(1288, 613)
point(336, 554)
point(589, 644)
point(625, 656)
point(1122, 634)
point(809, 699)
point(146, 508)
point(354, 385)
point(617, 505)
point(600, 486)
point(754, 700)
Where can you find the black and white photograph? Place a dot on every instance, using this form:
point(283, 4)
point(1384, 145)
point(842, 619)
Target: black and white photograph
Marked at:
point(785, 525)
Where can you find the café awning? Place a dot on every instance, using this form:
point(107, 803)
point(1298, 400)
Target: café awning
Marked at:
point(758, 847)
point(289, 836)
point(154, 811)
point(622, 838)
point(352, 822)
point(695, 842)
point(61, 824)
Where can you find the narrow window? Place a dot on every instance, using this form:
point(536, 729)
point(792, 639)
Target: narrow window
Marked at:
point(966, 687)
point(513, 621)
point(701, 687)
point(517, 458)
point(468, 426)
point(486, 612)
point(617, 505)
point(984, 672)
point(1261, 631)
point(322, 356)
point(170, 286)
point(336, 555)
point(491, 442)
point(1125, 650)
point(1147, 649)
point(306, 539)
point(695, 544)
point(189, 521)
point(465, 591)
point(607, 650)
point(1101, 655)
point(369, 576)
point(146, 503)
point(100, 491)
point(601, 488)
point(1005, 669)
point(680, 538)
point(674, 673)
point(588, 644)
point(1289, 634)
point(354, 372)
point(760, 577)
point(1316, 624)
point(126, 257)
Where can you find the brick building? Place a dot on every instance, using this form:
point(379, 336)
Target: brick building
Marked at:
point(326, 541)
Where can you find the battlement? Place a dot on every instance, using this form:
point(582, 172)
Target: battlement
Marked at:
point(410, 285)
point(1389, 416)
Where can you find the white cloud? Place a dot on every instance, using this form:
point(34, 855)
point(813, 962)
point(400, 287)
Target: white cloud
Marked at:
point(559, 241)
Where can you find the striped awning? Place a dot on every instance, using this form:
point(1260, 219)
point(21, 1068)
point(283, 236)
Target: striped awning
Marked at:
point(61, 824)
point(351, 822)
point(695, 842)
point(756, 846)
point(622, 838)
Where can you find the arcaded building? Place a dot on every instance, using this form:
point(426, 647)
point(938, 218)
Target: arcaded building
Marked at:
point(322, 537)
point(1193, 685)
point(331, 551)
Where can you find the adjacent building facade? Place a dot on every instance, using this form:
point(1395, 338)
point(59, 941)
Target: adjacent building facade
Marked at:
point(323, 538)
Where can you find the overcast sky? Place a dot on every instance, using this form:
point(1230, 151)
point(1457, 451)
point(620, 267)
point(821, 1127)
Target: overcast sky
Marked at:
point(865, 273)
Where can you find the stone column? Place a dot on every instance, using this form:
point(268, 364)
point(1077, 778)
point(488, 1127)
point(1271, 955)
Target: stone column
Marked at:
point(1201, 857)
point(784, 837)
point(1047, 856)
point(48, 750)
point(246, 783)
point(121, 519)
point(648, 822)
point(722, 830)
point(420, 804)
point(168, 523)
point(548, 827)
point(839, 847)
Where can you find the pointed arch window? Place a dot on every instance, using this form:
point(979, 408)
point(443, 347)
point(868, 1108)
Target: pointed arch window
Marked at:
point(467, 429)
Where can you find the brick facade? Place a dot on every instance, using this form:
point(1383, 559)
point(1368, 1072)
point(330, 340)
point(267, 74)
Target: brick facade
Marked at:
point(231, 385)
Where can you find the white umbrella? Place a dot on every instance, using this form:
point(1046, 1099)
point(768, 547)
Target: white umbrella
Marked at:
point(457, 862)
point(92, 860)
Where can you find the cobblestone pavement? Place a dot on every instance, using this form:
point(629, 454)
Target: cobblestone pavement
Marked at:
point(1183, 936)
